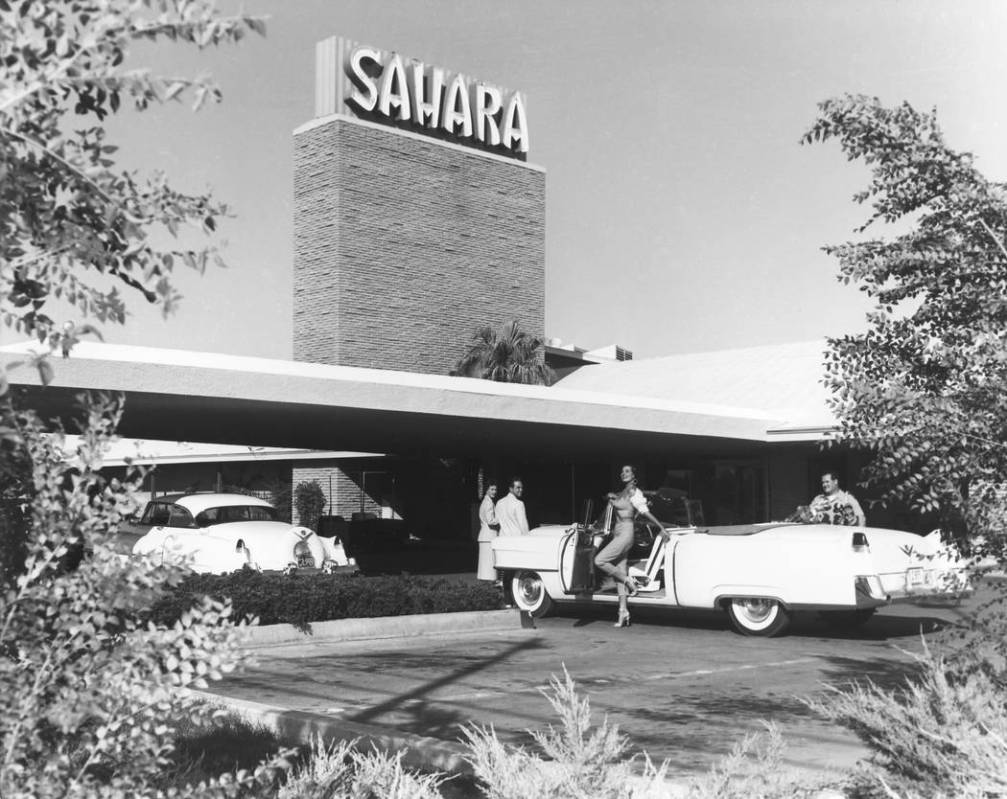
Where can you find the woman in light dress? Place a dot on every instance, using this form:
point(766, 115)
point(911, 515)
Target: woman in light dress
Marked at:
point(626, 505)
point(488, 530)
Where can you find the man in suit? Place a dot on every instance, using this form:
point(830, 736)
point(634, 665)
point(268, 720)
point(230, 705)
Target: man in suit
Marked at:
point(510, 510)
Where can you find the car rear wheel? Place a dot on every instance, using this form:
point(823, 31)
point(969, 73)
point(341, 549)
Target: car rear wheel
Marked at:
point(530, 594)
point(758, 616)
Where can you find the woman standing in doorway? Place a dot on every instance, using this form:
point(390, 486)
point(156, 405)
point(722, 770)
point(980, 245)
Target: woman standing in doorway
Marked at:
point(626, 504)
point(488, 530)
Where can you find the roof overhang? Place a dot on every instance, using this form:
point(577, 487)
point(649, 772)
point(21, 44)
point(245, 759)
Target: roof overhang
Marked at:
point(177, 395)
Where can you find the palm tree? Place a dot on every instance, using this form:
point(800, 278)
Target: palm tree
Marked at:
point(506, 355)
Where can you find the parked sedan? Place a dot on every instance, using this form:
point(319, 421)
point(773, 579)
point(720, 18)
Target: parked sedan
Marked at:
point(220, 533)
point(758, 573)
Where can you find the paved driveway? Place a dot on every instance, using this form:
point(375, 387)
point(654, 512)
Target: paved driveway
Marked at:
point(683, 687)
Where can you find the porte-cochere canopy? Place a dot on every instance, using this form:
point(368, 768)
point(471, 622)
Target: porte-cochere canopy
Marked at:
point(180, 395)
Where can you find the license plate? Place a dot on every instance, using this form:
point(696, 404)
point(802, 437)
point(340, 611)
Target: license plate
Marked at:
point(917, 578)
point(305, 562)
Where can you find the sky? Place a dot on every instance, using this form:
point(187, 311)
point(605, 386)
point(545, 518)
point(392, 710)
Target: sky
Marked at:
point(682, 213)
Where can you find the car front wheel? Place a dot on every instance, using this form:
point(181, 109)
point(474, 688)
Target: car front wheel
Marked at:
point(758, 616)
point(529, 593)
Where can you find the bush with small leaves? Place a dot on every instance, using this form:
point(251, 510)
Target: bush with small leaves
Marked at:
point(301, 599)
point(86, 683)
point(309, 502)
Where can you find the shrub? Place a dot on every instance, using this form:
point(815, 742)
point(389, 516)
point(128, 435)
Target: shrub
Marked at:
point(342, 771)
point(754, 770)
point(578, 760)
point(309, 500)
point(205, 751)
point(86, 685)
point(942, 734)
point(300, 599)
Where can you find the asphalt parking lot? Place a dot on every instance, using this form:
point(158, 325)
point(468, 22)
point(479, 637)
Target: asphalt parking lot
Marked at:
point(682, 686)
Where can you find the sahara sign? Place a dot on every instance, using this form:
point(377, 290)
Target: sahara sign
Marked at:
point(386, 87)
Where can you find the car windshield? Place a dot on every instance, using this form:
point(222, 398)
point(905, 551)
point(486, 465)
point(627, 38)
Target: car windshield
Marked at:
point(675, 510)
point(236, 513)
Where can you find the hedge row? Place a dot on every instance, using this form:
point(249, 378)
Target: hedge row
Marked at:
point(302, 599)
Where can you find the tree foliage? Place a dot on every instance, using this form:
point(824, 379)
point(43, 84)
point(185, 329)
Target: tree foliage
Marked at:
point(72, 226)
point(88, 688)
point(925, 387)
point(506, 355)
point(309, 501)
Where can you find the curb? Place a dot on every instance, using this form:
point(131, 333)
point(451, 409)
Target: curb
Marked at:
point(384, 627)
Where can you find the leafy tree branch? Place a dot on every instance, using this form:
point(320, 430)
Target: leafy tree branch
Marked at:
point(923, 389)
point(64, 207)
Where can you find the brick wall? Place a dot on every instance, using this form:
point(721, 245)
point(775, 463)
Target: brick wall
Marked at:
point(403, 246)
point(340, 483)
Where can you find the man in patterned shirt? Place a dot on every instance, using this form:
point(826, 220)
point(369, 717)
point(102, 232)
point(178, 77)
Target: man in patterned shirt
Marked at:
point(835, 506)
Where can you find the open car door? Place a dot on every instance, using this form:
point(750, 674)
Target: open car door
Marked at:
point(576, 560)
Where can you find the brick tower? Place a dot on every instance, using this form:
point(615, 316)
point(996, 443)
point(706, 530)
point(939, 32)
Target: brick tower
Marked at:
point(416, 218)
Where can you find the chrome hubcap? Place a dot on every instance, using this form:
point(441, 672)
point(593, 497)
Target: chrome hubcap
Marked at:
point(530, 589)
point(756, 610)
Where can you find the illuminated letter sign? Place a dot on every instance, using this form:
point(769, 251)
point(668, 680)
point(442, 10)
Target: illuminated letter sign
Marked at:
point(456, 114)
point(428, 87)
point(514, 130)
point(394, 91)
point(368, 98)
point(486, 106)
point(389, 88)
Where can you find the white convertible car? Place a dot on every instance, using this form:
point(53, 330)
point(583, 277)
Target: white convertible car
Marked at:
point(220, 533)
point(758, 573)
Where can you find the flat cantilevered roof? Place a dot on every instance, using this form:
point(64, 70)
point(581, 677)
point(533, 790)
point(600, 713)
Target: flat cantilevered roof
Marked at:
point(180, 395)
point(780, 380)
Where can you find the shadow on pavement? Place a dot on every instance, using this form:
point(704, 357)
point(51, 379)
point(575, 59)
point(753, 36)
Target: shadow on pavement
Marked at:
point(587, 615)
point(885, 673)
point(804, 625)
point(878, 628)
point(421, 716)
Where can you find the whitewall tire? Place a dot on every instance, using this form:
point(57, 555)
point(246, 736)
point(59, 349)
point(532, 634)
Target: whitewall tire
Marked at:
point(529, 593)
point(758, 616)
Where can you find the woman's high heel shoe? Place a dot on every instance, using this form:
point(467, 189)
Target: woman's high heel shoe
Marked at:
point(632, 588)
point(623, 620)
